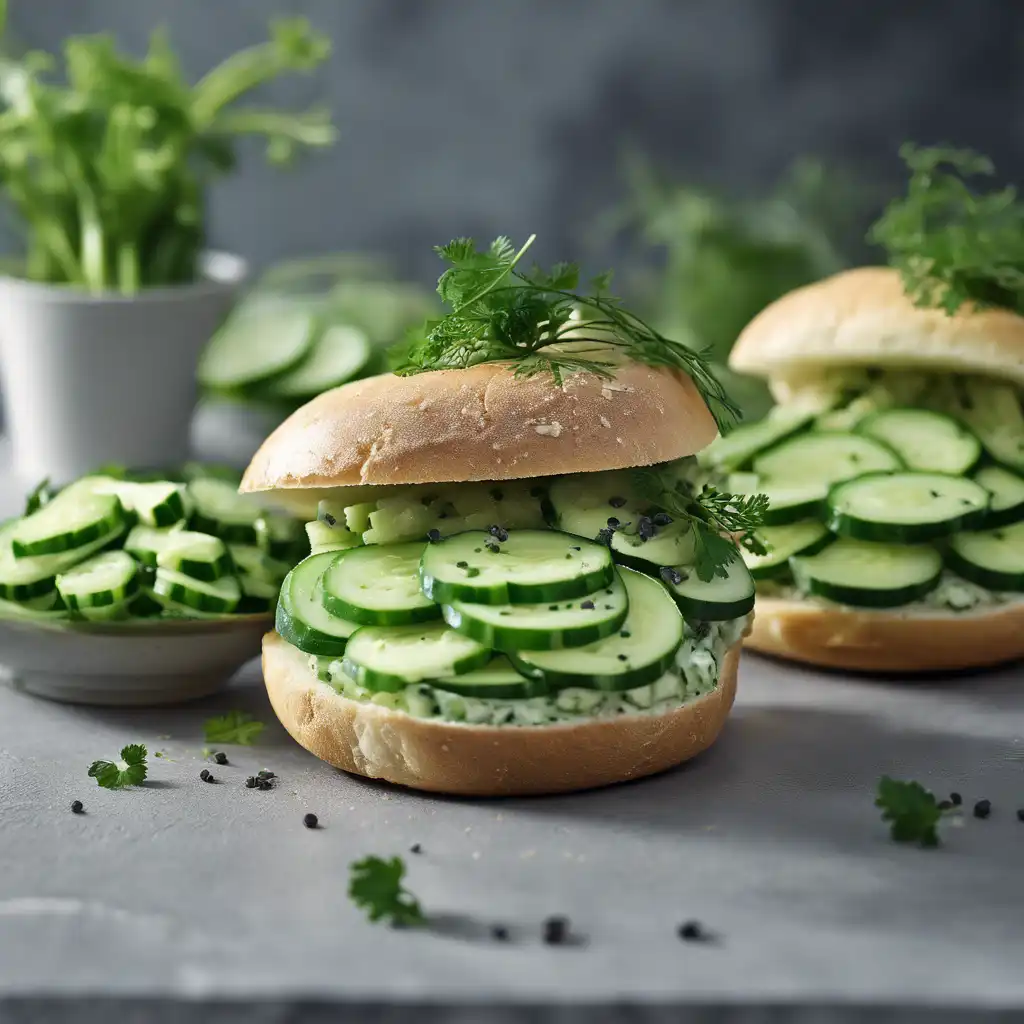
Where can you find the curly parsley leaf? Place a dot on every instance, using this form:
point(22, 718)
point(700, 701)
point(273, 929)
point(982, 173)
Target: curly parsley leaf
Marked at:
point(538, 320)
point(912, 811)
point(129, 771)
point(720, 521)
point(951, 243)
point(375, 886)
point(234, 727)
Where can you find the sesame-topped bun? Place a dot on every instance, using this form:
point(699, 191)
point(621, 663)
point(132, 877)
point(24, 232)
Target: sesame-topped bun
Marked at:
point(864, 317)
point(483, 423)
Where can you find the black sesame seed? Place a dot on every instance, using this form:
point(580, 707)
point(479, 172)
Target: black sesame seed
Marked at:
point(77, 807)
point(587, 605)
point(625, 634)
point(499, 933)
point(251, 782)
point(662, 519)
point(983, 808)
point(415, 848)
point(310, 820)
point(646, 528)
point(499, 532)
point(616, 502)
point(613, 523)
point(462, 565)
point(329, 519)
point(622, 657)
point(552, 607)
point(433, 535)
point(934, 494)
point(494, 549)
point(604, 536)
point(556, 930)
point(956, 799)
point(206, 775)
point(670, 575)
point(575, 547)
point(692, 931)
point(220, 757)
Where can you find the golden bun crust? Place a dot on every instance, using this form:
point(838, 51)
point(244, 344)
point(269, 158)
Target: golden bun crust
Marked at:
point(483, 424)
point(879, 641)
point(863, 317)
point(444, 757)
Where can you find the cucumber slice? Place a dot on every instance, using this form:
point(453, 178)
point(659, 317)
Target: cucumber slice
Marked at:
point(924, 440)
point(338, 354)
point(145, 543)
point(217, 597)
point(72, 520)
point(322, 537)
point(723, 597)
point(281, 537)
point(542, 627)
point(22, 579)
point(258, 595)
point(791, 503)
point(497, 680)
point(825, 458)
point(378, 586)
point(640, 652)
point(154, 502)
point(783, 542)
point(195, 554)
point(302, 619)
point(219, 509)
point(392, 657)
point(869, 575)
point(993, 559)
point(530, 566)
point(905, 508)
point(739, 446)
point(256, 344)
point(993, 411)
point(103, 580)
point(673, 544)
point(1007, 490)
point(256, 564)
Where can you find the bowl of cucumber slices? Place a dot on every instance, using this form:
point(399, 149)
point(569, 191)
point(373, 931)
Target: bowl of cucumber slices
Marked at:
point(137, 591)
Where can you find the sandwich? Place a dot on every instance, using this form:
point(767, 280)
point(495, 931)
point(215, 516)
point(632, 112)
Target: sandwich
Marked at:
point(894, 459)
point(521, 581)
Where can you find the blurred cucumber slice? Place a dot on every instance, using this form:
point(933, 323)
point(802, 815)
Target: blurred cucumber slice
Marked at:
point(339, 353)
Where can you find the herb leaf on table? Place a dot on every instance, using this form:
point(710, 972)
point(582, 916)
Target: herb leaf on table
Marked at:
point(912, 811)
point(129, 771)
point(375, 886)
point(236, 727)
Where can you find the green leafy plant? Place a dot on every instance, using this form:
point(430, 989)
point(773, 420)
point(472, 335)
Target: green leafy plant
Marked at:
point(108, 165)
point(912, 811)
point(129, 771)
point(375, 886)
point(951, 243)
point(539, 321)
point(236, 727)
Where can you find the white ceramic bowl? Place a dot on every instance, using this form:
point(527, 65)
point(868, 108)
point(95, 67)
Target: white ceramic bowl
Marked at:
point(128, 663)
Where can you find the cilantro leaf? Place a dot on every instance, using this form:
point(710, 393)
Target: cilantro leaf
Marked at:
point(912, 811)
point(538, 321)
point(129, 771)
point(951, 243)
point(375, 886)
point(234, 727)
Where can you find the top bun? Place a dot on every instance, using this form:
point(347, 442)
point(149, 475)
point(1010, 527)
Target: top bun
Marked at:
point(864, 317)
point(482, 423)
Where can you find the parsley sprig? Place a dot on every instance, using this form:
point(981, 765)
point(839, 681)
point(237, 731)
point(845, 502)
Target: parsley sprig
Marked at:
point(538, 320)
point(375, 886)
point(719, 520)
point(129, 771)
point(912, 811)
point(235, 727)
point(951, 243)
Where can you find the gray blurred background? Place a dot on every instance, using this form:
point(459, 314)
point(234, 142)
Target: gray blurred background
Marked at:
point(509, 116)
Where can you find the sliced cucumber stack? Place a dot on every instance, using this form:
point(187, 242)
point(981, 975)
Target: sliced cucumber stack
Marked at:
point(825, 458)
point(339, 353)
point(389, 658)
point(924, 440)
point(528, 566)
point(723, 597)
point(103, 580)
point(545, 626)
point(378, 586)
point(869, 575)
point(642, 650)
point(302, 619)
point(907, 508)
point(1007, 490)
point(735, 449)
point(783, 542)
point(993, 558)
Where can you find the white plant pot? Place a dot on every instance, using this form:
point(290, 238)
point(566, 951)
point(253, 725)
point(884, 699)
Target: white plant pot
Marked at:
point(94, 379)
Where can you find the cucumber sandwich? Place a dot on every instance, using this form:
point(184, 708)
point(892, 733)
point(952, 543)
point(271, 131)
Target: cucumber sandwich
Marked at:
point(894, 460)
point(519, 580)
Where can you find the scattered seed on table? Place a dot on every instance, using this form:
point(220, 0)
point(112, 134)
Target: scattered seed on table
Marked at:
point(556, 930)
point(77, 807)
point(415, 848)
point(692, 931)
point(220, 757)
point(983, 808)
point(956, 799)
point(252, 782)
point(206, 775)
point(1020, 814)
point(310, 820)
point(499, 933)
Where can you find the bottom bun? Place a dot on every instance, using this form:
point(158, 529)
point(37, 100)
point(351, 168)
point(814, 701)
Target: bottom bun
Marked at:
point(472, 760)
point(877, 641)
